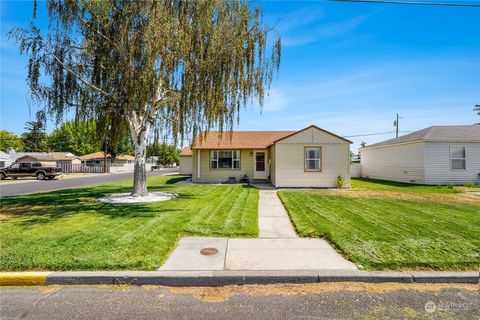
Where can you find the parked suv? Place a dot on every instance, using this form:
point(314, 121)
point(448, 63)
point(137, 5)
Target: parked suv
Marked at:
point(29, 169)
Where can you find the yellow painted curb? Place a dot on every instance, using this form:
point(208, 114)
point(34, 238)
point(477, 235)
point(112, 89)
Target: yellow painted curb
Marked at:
point(23, 278)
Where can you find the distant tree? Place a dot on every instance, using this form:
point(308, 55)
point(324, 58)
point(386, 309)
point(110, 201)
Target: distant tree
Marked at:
point(10, 140)
point(167, 154)
point(77, 137)
point(121, 145)
point(183, 66)
point(35, 138)
point(363, 144)
point(477, 109)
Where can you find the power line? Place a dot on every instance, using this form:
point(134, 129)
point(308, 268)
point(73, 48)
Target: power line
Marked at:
point(420, 3)
point(373, 134)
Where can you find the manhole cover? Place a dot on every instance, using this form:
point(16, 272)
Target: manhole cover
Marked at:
point(208, 251)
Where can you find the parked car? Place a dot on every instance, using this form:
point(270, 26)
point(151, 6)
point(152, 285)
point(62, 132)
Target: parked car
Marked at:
point(29, 169)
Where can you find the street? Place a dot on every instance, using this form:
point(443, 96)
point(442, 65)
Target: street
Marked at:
point(35, 186)
point(307, 301)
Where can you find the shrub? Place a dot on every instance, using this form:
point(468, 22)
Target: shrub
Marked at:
point(340, 182)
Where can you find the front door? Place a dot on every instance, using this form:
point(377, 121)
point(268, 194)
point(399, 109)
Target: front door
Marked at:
point(259, 172)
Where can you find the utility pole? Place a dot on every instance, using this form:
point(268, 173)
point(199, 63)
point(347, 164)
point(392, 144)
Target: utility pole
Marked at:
point(395, 124)
point(105, 158)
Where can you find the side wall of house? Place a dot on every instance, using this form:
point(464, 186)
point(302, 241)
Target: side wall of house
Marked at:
point(186, 164)
point(208, 175)
point(273, 165)
point(402, 163)
point(438, 169)
point(290, 160)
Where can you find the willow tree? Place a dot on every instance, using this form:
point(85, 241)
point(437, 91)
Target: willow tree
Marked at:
point(183, 66)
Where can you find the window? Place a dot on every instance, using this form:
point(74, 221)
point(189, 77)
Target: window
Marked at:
point(313, 159)
point(458, 158)
point(225, 159)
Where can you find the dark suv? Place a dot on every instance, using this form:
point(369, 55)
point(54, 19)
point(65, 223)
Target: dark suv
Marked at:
point(29, 169)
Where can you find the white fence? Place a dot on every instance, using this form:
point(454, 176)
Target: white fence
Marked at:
point(112, 168)
point(355, 170)
point(71, 168)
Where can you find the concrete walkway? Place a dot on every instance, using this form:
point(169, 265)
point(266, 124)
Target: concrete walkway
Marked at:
point(277, 248)
point(273, 220)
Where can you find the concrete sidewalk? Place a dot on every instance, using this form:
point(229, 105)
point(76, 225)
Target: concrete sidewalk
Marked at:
point(277, 248)
point(255, 255)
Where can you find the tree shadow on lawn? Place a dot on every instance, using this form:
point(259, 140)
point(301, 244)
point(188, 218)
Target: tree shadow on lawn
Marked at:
point(47, 207)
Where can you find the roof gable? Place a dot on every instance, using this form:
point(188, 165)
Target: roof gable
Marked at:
point(313, 134)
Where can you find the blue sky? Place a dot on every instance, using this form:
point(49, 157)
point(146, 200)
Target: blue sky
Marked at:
point(346, 67)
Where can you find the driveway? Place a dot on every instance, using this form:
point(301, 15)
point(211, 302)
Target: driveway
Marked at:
point(34, 186)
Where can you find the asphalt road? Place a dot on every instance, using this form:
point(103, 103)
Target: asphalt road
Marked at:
point(35, 186)
point(314, 301)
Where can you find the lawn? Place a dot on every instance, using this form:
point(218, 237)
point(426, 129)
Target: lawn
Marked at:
point(390, 226)
point(70, 230)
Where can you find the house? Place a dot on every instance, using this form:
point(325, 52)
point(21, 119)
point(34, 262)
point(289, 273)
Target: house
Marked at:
point(5, 159)
point(65, 159)
point(186, 164)
point(124, 159)
point(435, 155)
point(95, 159)
point(45, 160)
point(311, 157)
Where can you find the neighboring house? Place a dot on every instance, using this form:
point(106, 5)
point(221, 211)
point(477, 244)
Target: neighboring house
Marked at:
point(434, 155)
point(186, 164)
point(95, 159)
point(5, 159)
point(65, 159)
point(311, 157)
point(124, 159)
point(45, 160)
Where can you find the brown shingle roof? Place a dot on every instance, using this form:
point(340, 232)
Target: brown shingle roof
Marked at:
point(125, 157)
point(95, 155)
point(61, 156)
point(186, 152)
point(239, 139)
point(469, 133)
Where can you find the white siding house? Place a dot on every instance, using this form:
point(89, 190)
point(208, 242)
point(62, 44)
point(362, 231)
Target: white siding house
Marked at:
point(434, 155)
point(311, 157)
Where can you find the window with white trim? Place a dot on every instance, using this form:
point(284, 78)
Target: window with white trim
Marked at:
point(313, 160)
point(458, 158)
point(224, 159)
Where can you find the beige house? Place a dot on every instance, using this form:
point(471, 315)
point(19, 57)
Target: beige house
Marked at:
point(311, 157)
point(435, 155)
point(186, 164)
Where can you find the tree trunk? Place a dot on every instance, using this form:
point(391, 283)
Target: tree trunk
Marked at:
point(139, 131)
point(140, 171)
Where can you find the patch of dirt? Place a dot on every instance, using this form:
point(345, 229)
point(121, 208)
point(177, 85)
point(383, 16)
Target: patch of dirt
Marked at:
point(412, 196)
point(221, 294)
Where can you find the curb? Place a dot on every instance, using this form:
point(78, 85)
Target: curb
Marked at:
point(23, 278)
point(221, 278)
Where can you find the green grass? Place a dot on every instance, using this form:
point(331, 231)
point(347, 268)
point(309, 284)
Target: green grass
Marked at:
point(70, 230)
point(373, 184)
point(384, 233)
